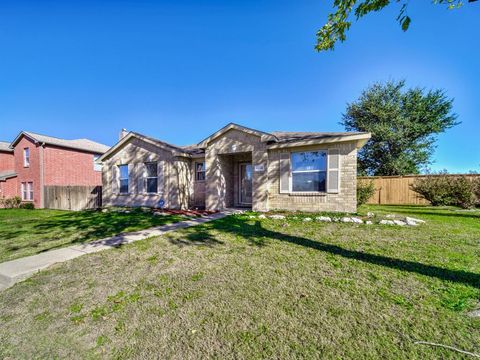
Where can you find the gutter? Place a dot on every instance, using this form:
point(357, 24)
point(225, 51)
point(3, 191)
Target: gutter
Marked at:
point(42, 176)
point(360, 139)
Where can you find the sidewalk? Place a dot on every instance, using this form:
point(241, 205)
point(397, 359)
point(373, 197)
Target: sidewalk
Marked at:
point(17, 270)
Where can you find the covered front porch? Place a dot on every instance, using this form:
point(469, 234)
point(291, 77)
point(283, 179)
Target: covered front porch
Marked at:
point(231, 184)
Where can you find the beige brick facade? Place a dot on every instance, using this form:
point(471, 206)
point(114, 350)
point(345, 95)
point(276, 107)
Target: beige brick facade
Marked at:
point(344, 201)
point(223, 155)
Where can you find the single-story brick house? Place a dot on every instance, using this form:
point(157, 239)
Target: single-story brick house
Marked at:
point(33, 161)
point(235, 167)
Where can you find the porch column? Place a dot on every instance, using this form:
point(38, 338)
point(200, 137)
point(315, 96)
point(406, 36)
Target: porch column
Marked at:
point(260, 178)
point(215, 184)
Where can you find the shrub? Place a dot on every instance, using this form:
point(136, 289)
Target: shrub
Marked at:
point(28, 206)
point(476, 189)
point(462, 192)
point(436, 189)
point(365, 190)
point(443, 190)
point(10, 203)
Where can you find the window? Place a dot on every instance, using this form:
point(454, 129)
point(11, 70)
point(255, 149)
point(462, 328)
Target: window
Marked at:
point(26, 157)
point(27, 191)
point(309, 171)
point(123, 179)
point(152, 177)
point(200, 171)
point(96, 166)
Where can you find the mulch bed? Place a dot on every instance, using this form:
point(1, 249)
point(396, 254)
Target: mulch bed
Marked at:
point(190, 212)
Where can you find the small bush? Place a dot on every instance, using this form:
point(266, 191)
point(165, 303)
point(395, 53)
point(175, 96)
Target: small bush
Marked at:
point(10, 203)
point(28, 206)
point(442, 190)
point(365, 190)
point(462, 190)
point(476, 190)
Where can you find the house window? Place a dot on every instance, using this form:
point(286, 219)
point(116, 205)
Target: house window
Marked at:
point(309, 171)
point(200, 171)
point(96, 166)
point(123, 179)
point(26, 157)
point(27, 191)
point(152, 177)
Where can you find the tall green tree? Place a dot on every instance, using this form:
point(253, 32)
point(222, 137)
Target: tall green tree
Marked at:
point(340, 20)
point(404, 124)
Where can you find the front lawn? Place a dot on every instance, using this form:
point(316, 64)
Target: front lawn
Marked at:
point(243, 287)
point(29, 232)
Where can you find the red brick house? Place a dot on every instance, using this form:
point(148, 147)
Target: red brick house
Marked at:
point(33, 161)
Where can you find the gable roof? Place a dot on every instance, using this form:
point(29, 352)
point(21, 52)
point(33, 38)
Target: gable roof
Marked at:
point(275, 139)
point(5, 146)
point(177, 150)
point(77, 144)
point(263, 135)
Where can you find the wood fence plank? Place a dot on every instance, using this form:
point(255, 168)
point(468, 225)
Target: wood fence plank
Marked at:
point(396, 190)
point(72, 197)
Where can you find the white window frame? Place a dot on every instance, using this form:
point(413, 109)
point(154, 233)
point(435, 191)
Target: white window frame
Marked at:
point(26, 157)
point(120, 179)
point(96, 167)
point(204, 171)
point(27, 190)
point(308, 171)
point(150, 177)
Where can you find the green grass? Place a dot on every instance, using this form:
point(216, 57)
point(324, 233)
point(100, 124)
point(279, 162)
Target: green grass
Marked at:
point(249, 288)
point(29, 232)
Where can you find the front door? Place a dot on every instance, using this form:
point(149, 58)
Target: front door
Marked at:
point(245, 183)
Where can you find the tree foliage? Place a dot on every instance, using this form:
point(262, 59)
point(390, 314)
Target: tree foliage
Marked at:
point(339, 21)
point(403, 124)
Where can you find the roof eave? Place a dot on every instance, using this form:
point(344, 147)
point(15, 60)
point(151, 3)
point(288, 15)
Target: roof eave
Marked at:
point(36, 141)
point(130, 135)
point(19, 136)
point(9, 176)
point(360, 139)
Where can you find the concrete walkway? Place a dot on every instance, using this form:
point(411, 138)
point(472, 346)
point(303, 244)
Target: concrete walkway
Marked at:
point(17, 270)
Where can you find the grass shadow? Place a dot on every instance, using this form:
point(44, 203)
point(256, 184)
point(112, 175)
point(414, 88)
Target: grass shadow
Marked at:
point(257, 235)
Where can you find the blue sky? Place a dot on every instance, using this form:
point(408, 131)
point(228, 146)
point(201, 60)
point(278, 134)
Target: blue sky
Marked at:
point(179, 70)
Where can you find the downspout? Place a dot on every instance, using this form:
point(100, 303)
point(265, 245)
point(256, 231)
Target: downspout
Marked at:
point(42, 176)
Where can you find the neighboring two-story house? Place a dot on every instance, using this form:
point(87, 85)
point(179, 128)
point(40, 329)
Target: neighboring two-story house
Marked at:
point(236, 167)
point(8, 178)
point(33, 161)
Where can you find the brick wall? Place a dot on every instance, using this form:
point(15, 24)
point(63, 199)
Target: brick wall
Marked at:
point(69, 167)
point(344, 201)
point(220, 168)
point(7, 161)
point(177, 177)
point(8, 188)
point(31, 173)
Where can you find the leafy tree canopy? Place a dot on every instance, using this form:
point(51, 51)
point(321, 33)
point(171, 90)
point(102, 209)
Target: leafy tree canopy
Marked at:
point(339, 21)
point(404, 124)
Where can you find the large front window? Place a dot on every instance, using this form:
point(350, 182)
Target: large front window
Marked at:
point(123, 179)
point(152, 178)
point(309, 171)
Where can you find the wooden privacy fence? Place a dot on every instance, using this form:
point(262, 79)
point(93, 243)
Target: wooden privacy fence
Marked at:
point(72, 197)
point(396, 190)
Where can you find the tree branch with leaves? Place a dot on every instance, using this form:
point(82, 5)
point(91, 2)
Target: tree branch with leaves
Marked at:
point(339, 21)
